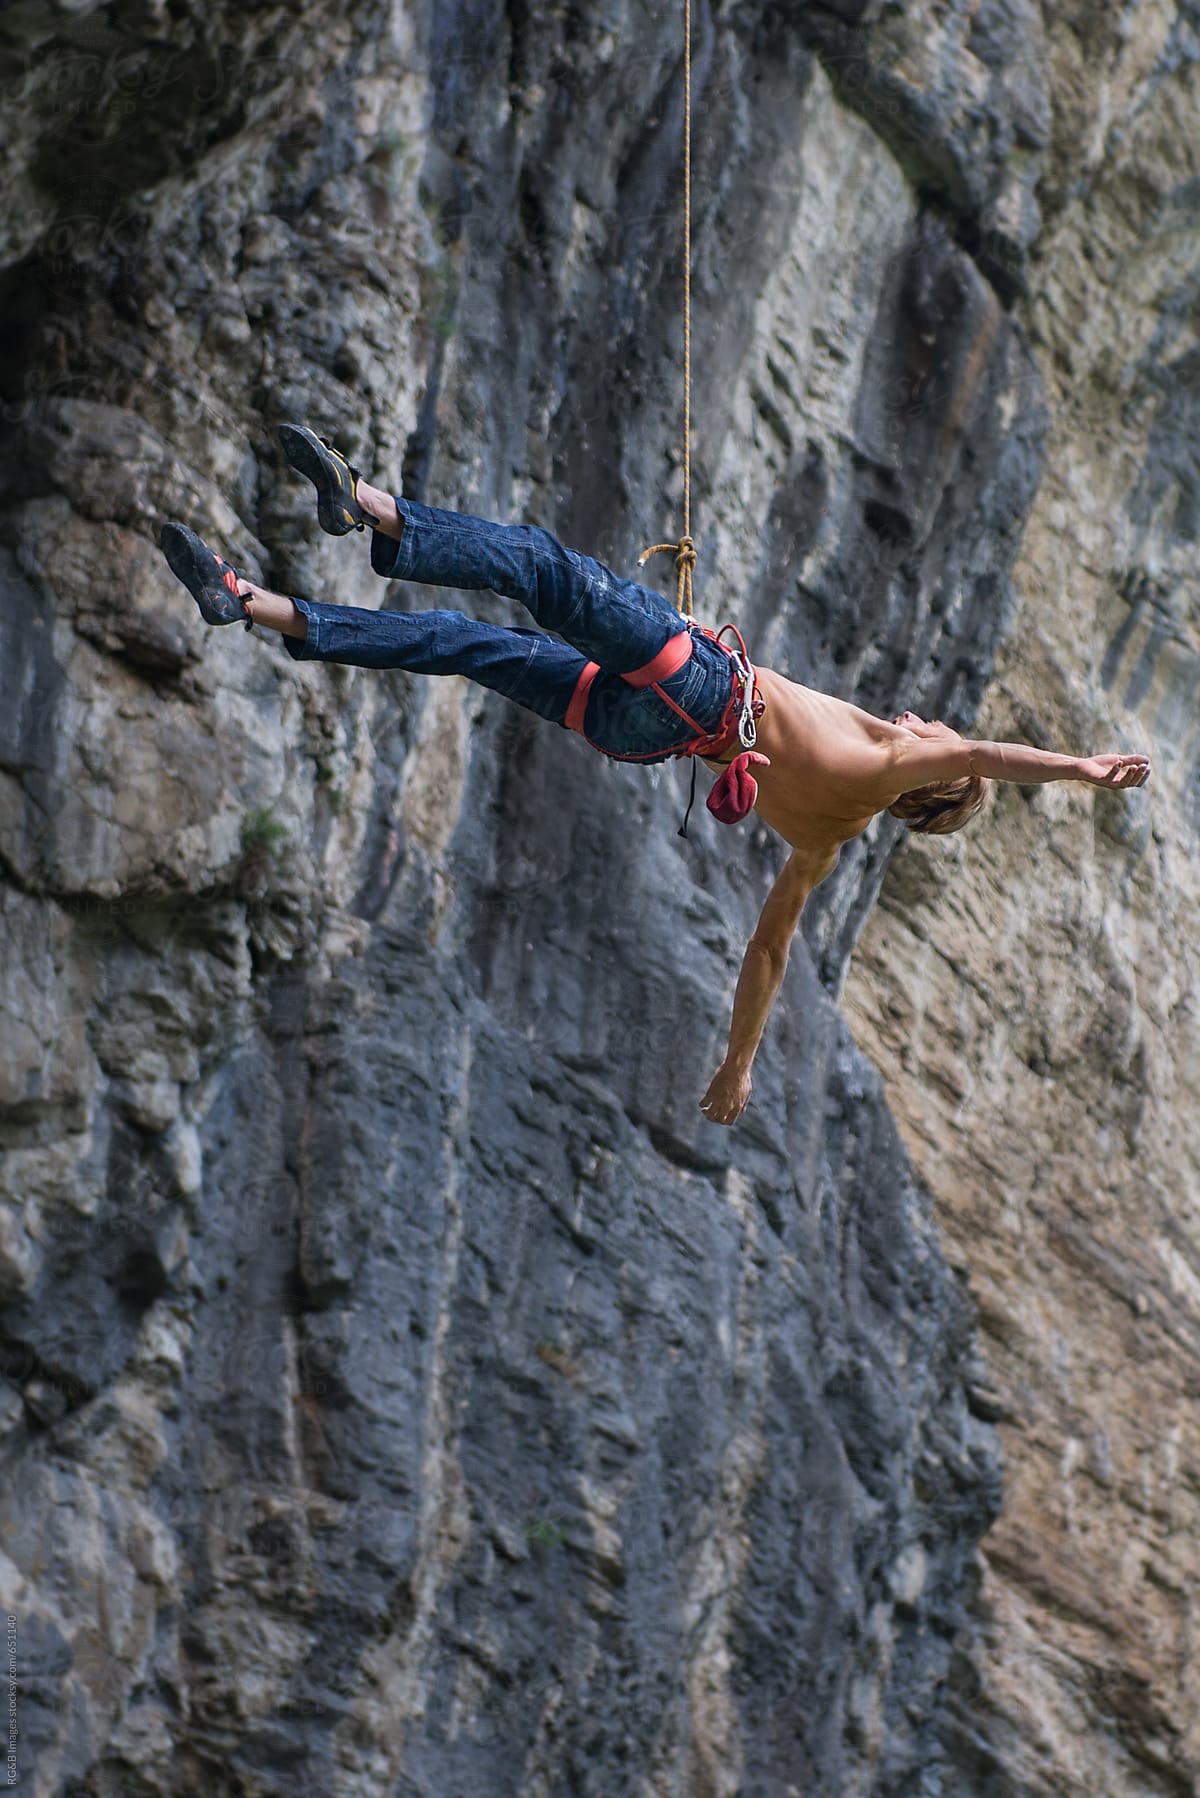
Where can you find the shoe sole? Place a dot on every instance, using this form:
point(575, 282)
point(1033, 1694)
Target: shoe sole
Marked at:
point(337, 509)
point(211, 582)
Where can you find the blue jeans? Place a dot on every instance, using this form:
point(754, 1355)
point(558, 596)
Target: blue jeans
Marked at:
point(596, 615)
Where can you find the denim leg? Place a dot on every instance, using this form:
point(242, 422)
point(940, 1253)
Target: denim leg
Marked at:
point(615, 622)
point(535, 670)
point(527, 666)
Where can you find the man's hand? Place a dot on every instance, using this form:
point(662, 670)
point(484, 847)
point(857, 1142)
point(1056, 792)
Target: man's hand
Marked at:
point(1115, 770)
point(726, 1098)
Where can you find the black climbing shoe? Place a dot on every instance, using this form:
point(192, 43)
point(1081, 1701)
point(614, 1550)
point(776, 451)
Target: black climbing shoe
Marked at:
point(331, 475)
point(213, 584)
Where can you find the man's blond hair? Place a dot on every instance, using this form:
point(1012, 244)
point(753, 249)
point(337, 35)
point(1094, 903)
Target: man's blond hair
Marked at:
point(943, 805)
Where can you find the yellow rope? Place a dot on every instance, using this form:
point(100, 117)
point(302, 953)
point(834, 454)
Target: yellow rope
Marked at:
point(685, 550)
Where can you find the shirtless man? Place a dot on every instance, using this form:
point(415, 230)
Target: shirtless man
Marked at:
point(641, 684)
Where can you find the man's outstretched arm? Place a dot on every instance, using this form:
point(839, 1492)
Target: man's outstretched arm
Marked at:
point(933, 752)
point(762, 974)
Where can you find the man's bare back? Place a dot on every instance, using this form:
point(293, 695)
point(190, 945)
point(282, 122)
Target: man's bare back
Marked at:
point(832, 768)
point(828, 765)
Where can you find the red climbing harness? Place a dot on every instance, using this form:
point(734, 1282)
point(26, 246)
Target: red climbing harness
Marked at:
point(735, 791)
point(737, 722)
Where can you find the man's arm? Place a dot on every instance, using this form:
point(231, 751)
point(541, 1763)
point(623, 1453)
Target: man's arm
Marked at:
point(916, 760)
point(759, 981)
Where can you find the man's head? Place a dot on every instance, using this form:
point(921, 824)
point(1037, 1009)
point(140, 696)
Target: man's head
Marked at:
point(942, 805)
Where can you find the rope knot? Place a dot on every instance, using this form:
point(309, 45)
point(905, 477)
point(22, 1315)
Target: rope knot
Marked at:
point(684, 553)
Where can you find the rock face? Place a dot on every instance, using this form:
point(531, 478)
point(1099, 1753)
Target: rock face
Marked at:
point(406, 1389)
point(1034, 1012)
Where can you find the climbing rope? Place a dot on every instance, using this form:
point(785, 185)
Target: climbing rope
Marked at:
point(685, 550)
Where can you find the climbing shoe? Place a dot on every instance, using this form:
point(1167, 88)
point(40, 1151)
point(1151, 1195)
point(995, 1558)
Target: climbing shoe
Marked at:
point(331, 475)
point(212, 583)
